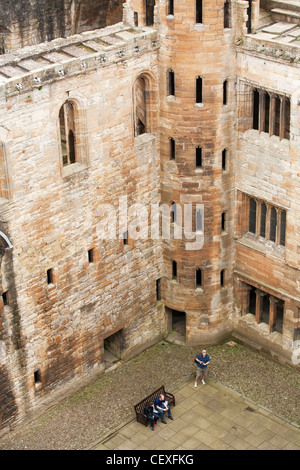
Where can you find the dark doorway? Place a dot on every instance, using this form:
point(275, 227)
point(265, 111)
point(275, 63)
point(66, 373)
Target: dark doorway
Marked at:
point(179, 322)
point(113, 348)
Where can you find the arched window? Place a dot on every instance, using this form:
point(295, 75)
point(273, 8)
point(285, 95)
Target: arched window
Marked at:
point(144, 104)
point(140, 106)
point(67, 133)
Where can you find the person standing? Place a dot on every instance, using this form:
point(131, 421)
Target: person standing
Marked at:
point(202, 360)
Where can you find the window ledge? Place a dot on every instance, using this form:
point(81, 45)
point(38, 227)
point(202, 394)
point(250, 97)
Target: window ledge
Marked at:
point(262, 245)
point(144, 138)
point(72, 169)
point(199, 27)
point(199, 290)
point(199, 105)
point(171, 98)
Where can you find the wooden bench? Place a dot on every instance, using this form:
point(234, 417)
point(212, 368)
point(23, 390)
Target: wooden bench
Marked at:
point(139, 407)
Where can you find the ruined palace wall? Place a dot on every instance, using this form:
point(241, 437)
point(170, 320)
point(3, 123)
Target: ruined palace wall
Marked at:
point(267, 168)
point(26, 22)
point(52, 217)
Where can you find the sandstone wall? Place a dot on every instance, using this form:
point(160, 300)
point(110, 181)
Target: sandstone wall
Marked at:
point(268, 168)
point(52, 334)
point(194, 50)
point(26, 22)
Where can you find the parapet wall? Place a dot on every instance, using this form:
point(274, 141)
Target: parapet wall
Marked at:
point(27, 22)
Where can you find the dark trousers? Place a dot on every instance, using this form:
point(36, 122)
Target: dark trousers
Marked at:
point(152, 420)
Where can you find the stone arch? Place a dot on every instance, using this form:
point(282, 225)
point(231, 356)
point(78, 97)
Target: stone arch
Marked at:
point(72, 132)
point(144, 103)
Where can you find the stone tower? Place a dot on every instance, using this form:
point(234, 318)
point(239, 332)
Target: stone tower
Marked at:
point(197, 129)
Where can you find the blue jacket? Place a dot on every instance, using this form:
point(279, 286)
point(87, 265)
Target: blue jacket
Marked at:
point(202, 359)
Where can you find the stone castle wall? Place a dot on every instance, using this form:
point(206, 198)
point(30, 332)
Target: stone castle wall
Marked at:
point(27, 22)
point(70, 291)
point(53, 333)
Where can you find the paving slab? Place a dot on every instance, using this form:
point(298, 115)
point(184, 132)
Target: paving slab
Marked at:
point(209, 417)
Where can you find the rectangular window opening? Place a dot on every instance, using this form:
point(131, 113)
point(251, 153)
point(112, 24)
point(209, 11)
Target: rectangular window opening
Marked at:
point(255, 110)
point(50, 277)
point(199, 15)
point(225, 92)
point(37, 377)
point(198, 277)
point(172, 148)
point(282, 228)
point(223, 221)
point(171, 83)
point(125, 238)
point(5, 298)
point(171, 7)
point(198, 157)
point(174, 270)
point(91, 255)
point(224, 159)
point(222, 278)
point(198, 90)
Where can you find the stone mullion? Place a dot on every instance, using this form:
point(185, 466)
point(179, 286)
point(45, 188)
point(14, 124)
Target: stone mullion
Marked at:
point(268, 216)
point(258, 214)
point(277, 236)
point(258, 309)
point(272, 114)
point(282, 119)
point(272, 313)
point(262, 111)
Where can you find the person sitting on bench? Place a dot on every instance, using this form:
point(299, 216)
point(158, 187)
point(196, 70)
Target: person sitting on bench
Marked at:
point(160, 405)
point(148, 411)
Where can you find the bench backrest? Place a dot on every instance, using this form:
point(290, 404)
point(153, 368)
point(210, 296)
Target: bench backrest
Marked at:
point(149, 399)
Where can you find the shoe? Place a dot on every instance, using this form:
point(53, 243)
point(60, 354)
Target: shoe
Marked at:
point(203, 382)
point(152, 429)
point(165, 422)
point(171, 417)
point(195, 385)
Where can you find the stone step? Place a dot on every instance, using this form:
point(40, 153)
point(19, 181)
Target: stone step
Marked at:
point(289, 5)
point(278, 14)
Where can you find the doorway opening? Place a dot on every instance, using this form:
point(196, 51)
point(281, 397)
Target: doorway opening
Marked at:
point(113, 348)
point(176, 321)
